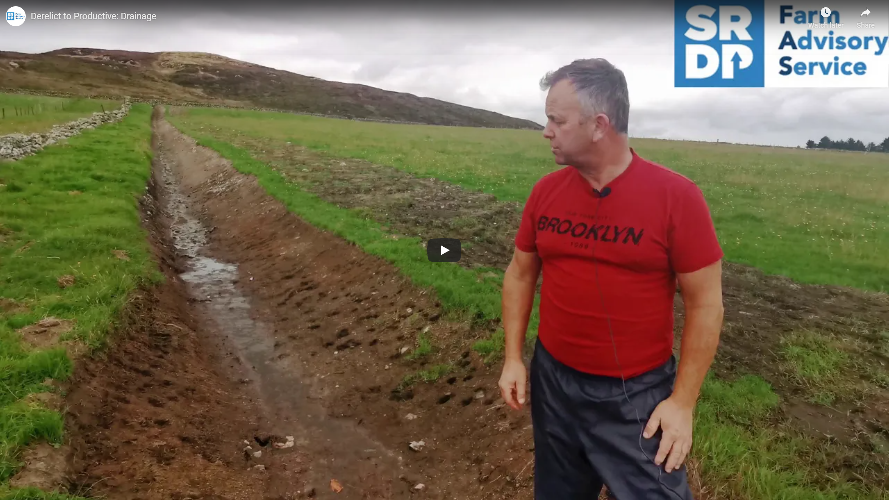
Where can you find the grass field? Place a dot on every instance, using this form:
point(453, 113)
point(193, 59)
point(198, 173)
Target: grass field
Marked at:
point(70, 210)
point(26, 114)
point(810, 215)
point(814, 216)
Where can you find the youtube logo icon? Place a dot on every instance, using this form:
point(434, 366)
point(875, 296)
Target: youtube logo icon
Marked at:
point(443, 250)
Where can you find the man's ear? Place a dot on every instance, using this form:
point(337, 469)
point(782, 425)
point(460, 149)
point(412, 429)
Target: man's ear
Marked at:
point(598, 125)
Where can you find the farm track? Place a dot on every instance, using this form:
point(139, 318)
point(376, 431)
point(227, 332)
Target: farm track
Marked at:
point(268, 328)
point(760, 309)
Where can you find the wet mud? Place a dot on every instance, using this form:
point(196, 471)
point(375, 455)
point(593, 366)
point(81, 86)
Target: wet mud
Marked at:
point(339, 449)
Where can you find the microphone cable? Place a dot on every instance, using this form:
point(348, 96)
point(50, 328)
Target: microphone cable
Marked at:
point(605, 192)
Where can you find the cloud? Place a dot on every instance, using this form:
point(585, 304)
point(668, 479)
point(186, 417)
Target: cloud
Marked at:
point(375, 70)
point(768, 116)
point(480, 56)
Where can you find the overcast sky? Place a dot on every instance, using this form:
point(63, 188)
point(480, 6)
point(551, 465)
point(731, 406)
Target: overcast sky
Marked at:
point(478, 57)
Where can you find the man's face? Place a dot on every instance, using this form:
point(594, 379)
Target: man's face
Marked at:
point(571, 135)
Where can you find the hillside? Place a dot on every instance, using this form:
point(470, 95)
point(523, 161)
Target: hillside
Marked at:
point(216, 80)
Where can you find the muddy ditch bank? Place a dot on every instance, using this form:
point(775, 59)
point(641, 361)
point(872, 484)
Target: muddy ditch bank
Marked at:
point(164, 413)
point(761, 310)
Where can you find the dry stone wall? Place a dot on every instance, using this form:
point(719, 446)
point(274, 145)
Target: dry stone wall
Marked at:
point(17, 146)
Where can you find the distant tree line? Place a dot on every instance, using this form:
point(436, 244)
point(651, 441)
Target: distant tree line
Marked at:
point(849, 144)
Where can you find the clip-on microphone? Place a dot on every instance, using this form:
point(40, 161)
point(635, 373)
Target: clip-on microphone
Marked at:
point(601, 194)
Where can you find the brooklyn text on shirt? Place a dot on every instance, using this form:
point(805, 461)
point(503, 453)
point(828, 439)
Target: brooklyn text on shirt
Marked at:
point(612, 233)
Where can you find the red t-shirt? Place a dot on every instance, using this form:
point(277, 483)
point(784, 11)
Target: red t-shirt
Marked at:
point(653, 224)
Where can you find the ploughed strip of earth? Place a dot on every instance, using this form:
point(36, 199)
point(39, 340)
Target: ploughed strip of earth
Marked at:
point(771, 322)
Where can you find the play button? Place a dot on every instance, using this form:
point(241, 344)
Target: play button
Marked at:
point(443, 250)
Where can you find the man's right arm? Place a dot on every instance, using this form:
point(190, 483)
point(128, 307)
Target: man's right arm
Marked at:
point(519, 286)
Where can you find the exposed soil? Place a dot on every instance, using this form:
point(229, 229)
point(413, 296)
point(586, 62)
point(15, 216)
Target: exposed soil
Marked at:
point(9, 306)
point(163, 414)
point(43, 467)
point(328, 325)
point(760, 309)
point(46, 332)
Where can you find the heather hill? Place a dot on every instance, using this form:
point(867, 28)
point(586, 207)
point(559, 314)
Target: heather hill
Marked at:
point(215, 80)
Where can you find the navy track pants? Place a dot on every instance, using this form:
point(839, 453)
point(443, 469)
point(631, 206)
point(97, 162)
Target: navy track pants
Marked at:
point(586, 434)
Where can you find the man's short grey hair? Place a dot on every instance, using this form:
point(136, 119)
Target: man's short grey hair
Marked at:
point(600, 86)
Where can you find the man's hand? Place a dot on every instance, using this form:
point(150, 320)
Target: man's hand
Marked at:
point(519, 285)
point(702, 295)
point(675, 419)
point(513, 383)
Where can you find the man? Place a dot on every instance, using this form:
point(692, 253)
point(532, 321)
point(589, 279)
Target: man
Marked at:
point(613, 235)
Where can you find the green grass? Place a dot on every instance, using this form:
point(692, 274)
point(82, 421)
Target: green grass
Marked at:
point(814, 216)
point(33, 494)
point(48, 233)
point(831, 368)
point(26, 114)
point(491, 348)
point(424, 347)
point(813, 358)
point(428, 375)
point(740, 455)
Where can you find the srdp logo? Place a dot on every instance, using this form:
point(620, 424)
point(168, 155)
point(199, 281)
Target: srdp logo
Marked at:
point(719, 45)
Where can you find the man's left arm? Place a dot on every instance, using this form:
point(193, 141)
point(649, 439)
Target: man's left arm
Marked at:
point(702, 298)
point(696, 257)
